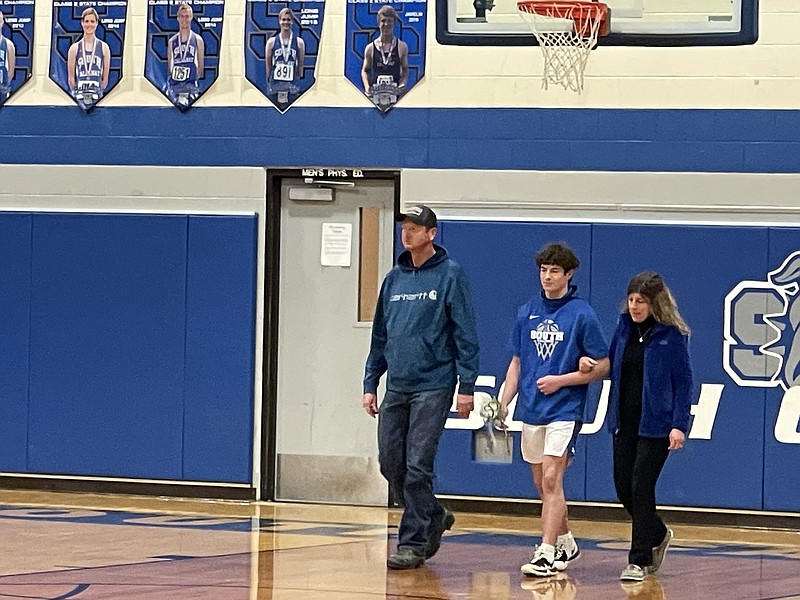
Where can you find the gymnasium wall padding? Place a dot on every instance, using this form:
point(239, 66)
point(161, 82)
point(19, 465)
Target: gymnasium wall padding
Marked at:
point(742, 465)
point(15, 285)
point(116, 302)
point(220, 337)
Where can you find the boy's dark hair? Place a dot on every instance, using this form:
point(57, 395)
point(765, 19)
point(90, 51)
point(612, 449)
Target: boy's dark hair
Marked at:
point(558, 254)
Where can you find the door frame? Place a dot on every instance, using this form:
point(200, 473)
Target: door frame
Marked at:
point(272, 258)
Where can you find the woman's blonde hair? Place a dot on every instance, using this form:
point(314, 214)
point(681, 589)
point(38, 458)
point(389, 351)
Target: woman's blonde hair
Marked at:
point(662, 303)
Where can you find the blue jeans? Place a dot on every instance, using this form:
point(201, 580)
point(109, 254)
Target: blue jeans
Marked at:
point(409, 427)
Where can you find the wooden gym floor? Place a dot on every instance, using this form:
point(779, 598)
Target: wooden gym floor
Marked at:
point(87, 547)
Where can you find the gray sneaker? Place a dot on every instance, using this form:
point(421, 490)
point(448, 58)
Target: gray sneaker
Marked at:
point(660, 551)
point(632, 573)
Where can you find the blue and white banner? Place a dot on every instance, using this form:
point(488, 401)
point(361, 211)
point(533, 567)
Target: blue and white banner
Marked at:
point(86, 51)
point(384, 51)
point(16, 46)
point(183, 44)
point(281, 45)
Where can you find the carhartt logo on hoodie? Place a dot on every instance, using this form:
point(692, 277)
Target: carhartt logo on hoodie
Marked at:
point(432, 295)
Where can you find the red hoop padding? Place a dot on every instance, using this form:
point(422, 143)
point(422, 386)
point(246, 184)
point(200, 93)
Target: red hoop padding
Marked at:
point(582, 13)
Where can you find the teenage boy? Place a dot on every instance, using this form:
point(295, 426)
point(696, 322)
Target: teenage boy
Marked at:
point(553, 330)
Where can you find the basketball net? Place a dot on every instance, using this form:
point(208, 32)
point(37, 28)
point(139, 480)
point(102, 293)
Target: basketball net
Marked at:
point(567, 32)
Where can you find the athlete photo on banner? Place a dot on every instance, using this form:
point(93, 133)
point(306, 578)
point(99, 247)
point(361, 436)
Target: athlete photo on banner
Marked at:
point(183, 42)
point(86, 51)
point(16, 44)
point(281, 45)
point(385, 49)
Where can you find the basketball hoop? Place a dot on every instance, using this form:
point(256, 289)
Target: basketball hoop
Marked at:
point(567, 32)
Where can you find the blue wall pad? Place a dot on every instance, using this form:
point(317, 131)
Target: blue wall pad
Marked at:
point(220, 337)
point(15, 285)
point(740, 461)
point(141, 336)
point(693, 261)
point(107, 345)
point(499, 260)
point(781, 479)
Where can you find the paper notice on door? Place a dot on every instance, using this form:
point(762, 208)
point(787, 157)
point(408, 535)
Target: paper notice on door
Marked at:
point(337, 240)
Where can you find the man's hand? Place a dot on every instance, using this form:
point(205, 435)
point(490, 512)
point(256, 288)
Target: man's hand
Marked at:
point(465, 403)
point(370, 402)
point(676, 439)
point(549, 384)
point(586, 364)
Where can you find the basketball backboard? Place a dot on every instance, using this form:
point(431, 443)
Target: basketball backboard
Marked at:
point(633, 23)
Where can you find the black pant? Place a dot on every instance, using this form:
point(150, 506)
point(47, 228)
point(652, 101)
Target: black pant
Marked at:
point(637, 464)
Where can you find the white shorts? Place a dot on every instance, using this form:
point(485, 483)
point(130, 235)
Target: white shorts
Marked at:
point(553, 439)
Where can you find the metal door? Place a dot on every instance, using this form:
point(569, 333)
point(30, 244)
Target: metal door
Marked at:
point(325, 444)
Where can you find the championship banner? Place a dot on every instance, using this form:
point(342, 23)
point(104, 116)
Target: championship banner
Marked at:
point(16, 46)
point(384, 54)
point(183, 42)
point(281, 42)
point(86, 51)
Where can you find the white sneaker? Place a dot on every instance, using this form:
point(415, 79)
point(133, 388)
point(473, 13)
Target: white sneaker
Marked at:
point(539, 566)
point(563, 557)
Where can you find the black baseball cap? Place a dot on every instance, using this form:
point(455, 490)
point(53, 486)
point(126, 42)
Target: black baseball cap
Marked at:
point(419, 214)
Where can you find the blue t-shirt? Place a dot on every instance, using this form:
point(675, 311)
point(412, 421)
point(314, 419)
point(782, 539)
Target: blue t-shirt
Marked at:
point(550, 337)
